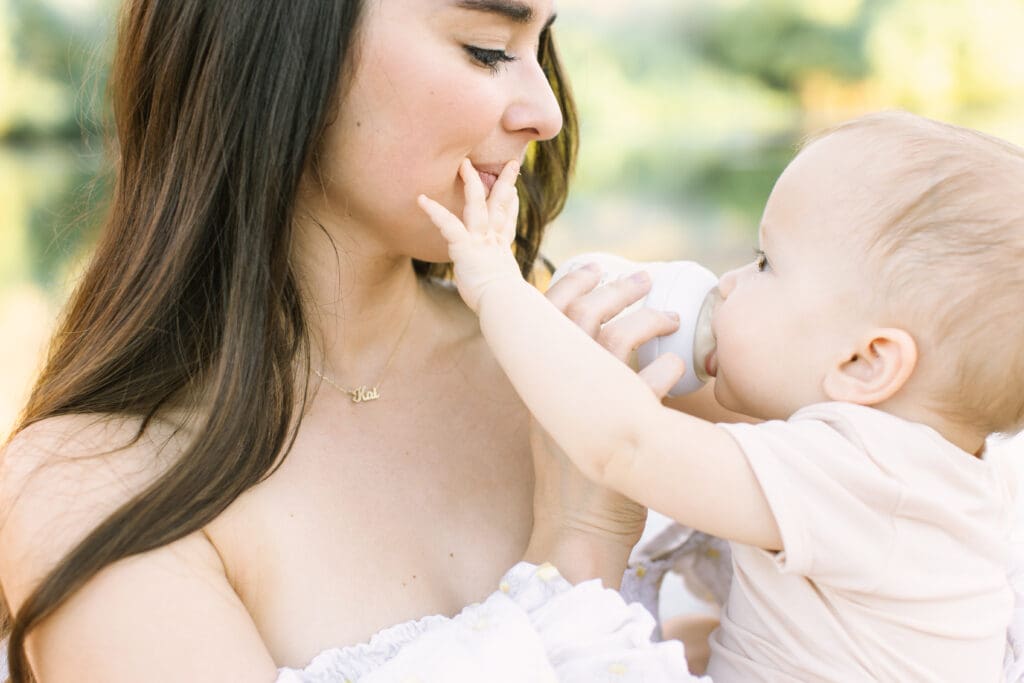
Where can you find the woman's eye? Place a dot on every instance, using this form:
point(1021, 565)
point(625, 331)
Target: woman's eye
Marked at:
point(760, 261)
point(492, 59)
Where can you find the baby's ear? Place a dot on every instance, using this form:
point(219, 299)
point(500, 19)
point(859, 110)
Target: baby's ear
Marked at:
point(875, 369)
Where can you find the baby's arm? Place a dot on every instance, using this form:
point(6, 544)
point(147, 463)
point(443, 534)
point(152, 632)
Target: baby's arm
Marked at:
point(703, 404)
point(600, 412)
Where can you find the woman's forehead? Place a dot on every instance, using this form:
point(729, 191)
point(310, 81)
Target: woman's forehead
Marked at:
point(520, 12)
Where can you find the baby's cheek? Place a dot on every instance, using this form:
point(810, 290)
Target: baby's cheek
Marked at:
point(727, 396)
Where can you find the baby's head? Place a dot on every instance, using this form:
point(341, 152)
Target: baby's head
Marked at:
point(892, 275)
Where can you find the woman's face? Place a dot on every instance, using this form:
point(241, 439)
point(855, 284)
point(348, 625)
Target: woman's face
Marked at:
point(435, 81)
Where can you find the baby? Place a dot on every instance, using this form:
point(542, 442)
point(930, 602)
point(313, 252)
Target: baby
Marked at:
point(879, 334)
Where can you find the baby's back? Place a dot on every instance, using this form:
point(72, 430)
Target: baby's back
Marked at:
point(895, 561)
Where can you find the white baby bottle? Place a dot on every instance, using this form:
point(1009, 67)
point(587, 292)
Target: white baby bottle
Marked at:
point(684, 287)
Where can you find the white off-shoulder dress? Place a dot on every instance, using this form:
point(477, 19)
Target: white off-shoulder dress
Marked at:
point(535, 627)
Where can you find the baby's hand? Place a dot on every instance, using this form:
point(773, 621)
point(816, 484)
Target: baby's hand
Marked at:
point(480, 245)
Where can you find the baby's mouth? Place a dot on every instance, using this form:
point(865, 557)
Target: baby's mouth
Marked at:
point(711, 364)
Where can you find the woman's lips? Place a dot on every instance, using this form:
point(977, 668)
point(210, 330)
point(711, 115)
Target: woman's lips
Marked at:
point(488, 179)
point(489, 174)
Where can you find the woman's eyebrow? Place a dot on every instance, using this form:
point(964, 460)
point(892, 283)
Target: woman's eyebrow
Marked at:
point(513, 10)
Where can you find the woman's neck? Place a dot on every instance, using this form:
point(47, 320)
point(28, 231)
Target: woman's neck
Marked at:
point(359, 302)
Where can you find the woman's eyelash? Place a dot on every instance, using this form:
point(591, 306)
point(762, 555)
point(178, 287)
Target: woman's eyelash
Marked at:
point(492, 59)
point(760, 260)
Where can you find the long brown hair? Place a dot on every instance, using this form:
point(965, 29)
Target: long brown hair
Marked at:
point(218, 110)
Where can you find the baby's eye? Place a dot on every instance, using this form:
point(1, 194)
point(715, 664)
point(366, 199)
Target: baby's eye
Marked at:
point(760, 261)
point(492, 59)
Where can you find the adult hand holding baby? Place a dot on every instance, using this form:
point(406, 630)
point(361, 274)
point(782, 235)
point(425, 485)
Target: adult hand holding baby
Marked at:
point(574, 518)
point(595, 309)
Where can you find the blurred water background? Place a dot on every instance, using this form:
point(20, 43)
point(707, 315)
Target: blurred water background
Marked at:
point(690, 109)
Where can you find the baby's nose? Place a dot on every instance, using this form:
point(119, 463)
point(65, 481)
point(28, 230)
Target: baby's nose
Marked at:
point(728, 282)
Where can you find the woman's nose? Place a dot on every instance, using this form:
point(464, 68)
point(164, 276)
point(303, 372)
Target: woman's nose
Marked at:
point(535, 109)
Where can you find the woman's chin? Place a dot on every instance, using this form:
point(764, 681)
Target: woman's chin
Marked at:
point(424, 242)
point(433, 256)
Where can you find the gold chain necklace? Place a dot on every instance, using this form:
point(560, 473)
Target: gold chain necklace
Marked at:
point(363, 393)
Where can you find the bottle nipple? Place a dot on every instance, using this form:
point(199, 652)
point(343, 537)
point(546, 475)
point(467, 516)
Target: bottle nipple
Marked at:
point(704, 343)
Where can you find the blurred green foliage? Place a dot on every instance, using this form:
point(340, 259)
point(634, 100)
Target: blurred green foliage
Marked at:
point(52, 71)
point(53, 67)
point(780, 43)
point(697, 105)
point(690, 108)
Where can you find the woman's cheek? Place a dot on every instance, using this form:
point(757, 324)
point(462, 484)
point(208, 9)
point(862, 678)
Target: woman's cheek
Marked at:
point(473, 102)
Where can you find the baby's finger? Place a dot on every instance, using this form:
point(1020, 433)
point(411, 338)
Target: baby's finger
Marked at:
point(663, 373)
point(504, 187)
point(474, 215)
point(504, 219)
point(447, 222)
point(503, 202)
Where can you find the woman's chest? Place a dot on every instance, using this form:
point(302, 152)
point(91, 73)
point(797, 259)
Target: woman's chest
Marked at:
point(372, 524)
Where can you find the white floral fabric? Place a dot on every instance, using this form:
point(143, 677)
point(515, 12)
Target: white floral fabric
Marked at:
point(535, 627)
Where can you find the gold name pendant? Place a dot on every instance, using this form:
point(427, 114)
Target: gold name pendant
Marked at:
point(363, 394)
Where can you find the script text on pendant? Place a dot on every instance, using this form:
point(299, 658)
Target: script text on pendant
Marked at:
point(363, 394)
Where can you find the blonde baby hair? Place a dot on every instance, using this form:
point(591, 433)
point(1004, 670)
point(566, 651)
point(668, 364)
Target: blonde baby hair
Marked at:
point(945, 236)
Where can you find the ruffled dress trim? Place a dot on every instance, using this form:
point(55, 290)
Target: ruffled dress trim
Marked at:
point(351, 663)
point(535, 627)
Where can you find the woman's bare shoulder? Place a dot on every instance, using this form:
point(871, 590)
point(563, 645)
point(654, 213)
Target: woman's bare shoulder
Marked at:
point(74, 438)
point(69, 453)
point(60, 477)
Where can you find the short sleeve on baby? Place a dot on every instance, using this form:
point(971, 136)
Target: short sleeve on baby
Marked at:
point(851, 486)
